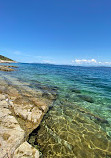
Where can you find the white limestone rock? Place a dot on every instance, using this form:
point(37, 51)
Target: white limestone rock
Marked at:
point(2, 97)
point(25, 150)
point(3, 103)
point(28, 112)
point(11, 134)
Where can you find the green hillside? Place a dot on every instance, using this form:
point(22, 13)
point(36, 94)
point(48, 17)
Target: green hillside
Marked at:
point(5, 58)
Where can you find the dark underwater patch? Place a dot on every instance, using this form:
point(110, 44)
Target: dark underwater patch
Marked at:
point(75, 90)
point(86, 98)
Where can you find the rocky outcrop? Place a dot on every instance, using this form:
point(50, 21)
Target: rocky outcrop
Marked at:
point(7, 67)
point(11, 134)
point(25, 150)
point(21, 111)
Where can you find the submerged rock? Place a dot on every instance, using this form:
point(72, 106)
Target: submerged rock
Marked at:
point(86, 98)
point(65, 136)
point(94, 117)
point(46, 87)
point(99, 120)
point(75, 90)
point(12, 66)
point(48, 95)
point(12, 92)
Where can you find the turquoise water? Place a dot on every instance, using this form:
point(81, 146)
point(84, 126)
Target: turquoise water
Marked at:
point(72, 82)
point(82, 109)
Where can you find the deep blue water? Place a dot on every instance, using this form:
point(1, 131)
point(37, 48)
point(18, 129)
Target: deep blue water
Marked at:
point(88, 88)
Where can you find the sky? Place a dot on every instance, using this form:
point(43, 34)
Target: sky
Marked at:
point(73, 32)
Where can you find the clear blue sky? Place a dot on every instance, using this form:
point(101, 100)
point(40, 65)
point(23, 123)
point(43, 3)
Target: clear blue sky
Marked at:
point(56, 31)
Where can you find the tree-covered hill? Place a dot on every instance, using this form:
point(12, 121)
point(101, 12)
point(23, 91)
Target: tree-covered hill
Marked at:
point(5, 58)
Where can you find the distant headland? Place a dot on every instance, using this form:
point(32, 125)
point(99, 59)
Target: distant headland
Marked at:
point(4, 59)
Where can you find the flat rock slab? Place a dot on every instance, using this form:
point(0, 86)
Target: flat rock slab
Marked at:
point(7, 68)
point(11, 134)
point(25, 150)
point(21, 111)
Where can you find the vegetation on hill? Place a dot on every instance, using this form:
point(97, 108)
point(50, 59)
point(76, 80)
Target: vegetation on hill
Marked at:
point(5, 58)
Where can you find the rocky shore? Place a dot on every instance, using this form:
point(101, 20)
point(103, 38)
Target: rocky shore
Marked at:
point(7, 68)
point(21, 111)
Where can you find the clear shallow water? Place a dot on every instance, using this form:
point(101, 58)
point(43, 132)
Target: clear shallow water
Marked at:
point(79, 123)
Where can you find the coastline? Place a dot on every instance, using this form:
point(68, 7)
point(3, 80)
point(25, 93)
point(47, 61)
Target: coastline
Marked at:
point(7, 61)
point(21, 111)
point(66, 127)
point(7, 67)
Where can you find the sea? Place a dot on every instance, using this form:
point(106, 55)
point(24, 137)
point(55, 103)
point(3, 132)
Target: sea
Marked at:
point(78, 123)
